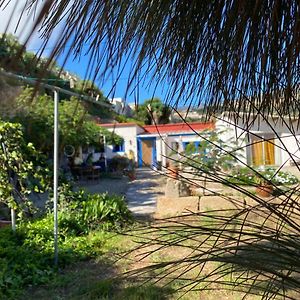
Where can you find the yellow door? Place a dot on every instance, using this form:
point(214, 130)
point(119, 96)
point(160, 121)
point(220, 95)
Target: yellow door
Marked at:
point(257, 152)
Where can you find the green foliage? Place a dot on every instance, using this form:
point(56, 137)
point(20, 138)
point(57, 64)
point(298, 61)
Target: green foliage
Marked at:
point(76, 126)
point(81, 211)
point(246, 176)
point(123, 119)
point(15, 58)
point(153, 110)
point(19, 170)
point(190, 148)
point(26, 257)
point(213, 154)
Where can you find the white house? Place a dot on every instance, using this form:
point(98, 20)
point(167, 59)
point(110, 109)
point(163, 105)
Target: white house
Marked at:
point(272, 141)
point(121, 107)
point(129, 133)
point(263, 141)
point(152, 144)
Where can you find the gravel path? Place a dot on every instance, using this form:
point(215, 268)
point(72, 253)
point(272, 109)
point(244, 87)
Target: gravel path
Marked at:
point(140, 194)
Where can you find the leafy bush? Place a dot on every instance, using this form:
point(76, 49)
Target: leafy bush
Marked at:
point(213, 153)
point(26, 257)
point(246, 176)
point(81, 211)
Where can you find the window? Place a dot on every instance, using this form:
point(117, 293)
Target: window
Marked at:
point(119, 148)
point(191, 147)
point(263, 151)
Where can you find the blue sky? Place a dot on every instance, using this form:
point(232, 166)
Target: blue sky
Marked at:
point(109, 86)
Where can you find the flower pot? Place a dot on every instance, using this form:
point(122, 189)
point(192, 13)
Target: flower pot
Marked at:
point(173, 172)
point(264, 190)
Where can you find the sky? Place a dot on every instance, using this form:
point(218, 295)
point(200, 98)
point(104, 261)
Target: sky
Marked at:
point(10, 17)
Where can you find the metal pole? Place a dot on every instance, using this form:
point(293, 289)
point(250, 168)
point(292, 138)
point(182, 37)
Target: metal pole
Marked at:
point(13, 219)
point(56, 88)
point(55, 179)
point(105, 159)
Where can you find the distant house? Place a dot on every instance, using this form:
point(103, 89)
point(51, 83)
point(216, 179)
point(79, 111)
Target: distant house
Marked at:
point(271, 141)
point(263, 142)
point(152, 144)
point(121, 107)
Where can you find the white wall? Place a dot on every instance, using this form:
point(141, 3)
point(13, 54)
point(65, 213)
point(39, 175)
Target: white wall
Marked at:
point(129, 134)
point(164, 145)
point(233, 134)
point(286, 144)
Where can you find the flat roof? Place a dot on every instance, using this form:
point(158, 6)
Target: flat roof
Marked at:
point(108, 125)
point(178, 127)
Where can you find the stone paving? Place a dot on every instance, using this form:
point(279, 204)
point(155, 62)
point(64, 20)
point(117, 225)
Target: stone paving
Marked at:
point(142, 193)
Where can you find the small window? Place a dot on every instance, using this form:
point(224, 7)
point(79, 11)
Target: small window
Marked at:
point(119, 148)
point(184, 144)
point(191, 147)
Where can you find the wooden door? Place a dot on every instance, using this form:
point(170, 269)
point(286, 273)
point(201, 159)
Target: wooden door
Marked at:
point(147, 148)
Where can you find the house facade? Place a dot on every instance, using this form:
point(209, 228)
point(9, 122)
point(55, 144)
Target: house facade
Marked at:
point(152, 144)
point(271, 141)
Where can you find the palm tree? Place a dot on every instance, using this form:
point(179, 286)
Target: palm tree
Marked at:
point(237, 55)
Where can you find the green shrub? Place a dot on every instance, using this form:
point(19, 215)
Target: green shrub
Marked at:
point(246, 176)
point(26, 257)
point(81, 211)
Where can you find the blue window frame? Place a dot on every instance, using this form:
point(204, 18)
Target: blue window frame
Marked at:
point(119, 148)
point(185, 144)
point(196, 144)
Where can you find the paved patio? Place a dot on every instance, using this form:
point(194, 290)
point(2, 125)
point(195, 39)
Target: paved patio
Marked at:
point(142, 193)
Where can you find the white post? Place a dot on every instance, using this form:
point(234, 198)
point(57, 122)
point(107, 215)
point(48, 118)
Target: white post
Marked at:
point(164, 150)
point(13, 219)
point(55, 178)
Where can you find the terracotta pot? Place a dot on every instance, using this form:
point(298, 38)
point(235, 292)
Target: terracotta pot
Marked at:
point(173, 172)
point(264, 190)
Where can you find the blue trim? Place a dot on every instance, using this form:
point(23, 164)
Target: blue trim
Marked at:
point(169, 134)
point(154, 160)
point(119, 148)
point(196, 144)
point(140, 155)
point(184, 144)
point(140, 151)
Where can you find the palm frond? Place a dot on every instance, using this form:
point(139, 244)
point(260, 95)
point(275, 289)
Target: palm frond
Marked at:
point(212, 53)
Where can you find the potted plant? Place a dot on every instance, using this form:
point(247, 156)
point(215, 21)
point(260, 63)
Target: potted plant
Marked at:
point(264, 188)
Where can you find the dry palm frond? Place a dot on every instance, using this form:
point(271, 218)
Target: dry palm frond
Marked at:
point(212, 52)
